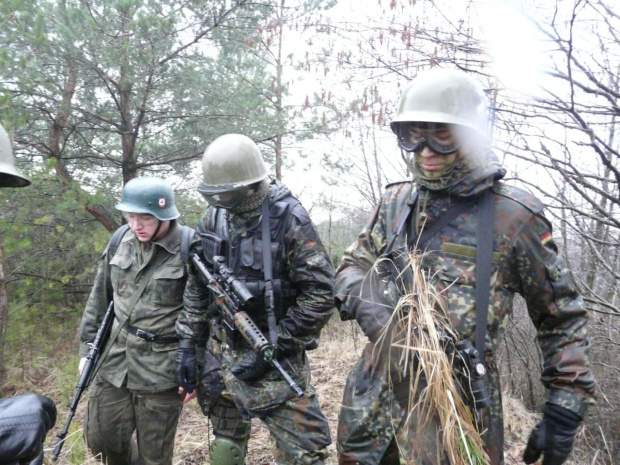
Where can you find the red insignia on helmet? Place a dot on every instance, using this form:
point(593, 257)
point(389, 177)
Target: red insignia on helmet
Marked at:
point(545, 238)
point(162, 202)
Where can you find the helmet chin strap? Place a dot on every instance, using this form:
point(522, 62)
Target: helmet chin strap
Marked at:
point(159, 223)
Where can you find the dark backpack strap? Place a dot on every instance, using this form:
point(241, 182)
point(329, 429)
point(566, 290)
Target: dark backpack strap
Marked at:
point(115, 241)
point(187, 236)
point(484, 263)
point(400, 228)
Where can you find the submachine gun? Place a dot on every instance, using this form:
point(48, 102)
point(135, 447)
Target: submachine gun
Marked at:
point(88, 373)
point(231, 296)
point(469, 371)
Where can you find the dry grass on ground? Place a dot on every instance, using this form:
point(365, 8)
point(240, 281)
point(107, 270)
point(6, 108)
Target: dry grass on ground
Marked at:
point(331, 362)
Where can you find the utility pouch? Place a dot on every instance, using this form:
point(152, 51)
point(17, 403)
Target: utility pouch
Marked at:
point(213, 245)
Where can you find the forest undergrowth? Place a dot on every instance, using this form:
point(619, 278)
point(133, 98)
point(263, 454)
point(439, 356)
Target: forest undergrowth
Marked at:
point(341, 344)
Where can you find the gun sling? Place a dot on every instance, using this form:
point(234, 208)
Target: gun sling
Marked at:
point(484, 251)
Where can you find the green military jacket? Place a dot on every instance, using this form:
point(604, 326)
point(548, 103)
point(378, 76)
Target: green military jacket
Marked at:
point(143, 365)
point(525, 261)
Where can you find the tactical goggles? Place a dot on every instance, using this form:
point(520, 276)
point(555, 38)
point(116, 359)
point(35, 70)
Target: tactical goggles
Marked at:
point(226, 196)
point(412, 137)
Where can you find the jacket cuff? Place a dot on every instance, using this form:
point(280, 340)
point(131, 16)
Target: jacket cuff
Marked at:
point(570, 401)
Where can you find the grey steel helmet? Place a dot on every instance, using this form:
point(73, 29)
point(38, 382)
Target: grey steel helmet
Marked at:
point(444, 96)
point(149, 195)
point(9, 176)
point(231, 165)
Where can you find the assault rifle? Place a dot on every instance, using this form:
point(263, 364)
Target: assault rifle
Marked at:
point(231, 295)
point(87, 373)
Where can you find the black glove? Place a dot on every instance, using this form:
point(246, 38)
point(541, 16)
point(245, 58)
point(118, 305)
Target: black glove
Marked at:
point(250, 367)
point(553, 436)
point(24, 422)
point(186, 365)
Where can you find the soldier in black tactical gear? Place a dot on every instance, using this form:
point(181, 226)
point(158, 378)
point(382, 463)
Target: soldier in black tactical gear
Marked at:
point(292, 287)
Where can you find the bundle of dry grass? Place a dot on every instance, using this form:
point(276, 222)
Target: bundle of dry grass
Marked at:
point(416, 337)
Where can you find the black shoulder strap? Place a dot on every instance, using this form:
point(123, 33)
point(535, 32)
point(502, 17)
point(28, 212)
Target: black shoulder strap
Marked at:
point(268, 272)
point(116, 240)
point(400, 227)
point(484, 262)
point(187, 235)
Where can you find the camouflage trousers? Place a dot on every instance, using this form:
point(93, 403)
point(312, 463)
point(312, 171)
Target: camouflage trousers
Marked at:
point(114, 414)
point(297, 425)
point(378, 425)
point(300, 430)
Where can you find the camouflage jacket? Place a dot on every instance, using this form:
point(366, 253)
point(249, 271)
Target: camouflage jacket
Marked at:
point(308, 268)
point(525, 261)
point(146, 366)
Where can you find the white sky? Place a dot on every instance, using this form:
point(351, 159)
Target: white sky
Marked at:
point(513, 42)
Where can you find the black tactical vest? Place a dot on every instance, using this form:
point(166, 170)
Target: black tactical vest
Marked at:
point(244, 256)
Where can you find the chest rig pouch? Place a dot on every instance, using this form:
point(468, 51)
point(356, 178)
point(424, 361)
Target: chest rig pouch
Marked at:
point(246, 258)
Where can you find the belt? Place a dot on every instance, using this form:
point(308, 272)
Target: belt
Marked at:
point(150, 337)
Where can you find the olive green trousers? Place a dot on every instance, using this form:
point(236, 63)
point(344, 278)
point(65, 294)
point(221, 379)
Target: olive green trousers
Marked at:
point(114, 414)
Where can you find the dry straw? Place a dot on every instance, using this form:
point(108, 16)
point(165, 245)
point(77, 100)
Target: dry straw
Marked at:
point(435, 416)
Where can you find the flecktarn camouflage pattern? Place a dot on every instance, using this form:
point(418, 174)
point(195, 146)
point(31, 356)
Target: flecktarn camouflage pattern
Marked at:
point(298, 426)
point(525, 261)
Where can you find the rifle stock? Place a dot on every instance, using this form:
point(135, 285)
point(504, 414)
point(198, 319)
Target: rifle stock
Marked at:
point(231, 295)
point(87, 374)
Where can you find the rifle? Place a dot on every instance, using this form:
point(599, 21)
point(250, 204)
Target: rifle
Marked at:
point(469, 370)
point(87, 373)
point(231, 295)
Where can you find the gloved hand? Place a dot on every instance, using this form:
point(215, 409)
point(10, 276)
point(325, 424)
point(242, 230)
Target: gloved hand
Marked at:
point(553, 436)
point(250, 367)
point(186, 365)
point(24, 423)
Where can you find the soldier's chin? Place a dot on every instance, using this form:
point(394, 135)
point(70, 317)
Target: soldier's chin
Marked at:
point(432, 174)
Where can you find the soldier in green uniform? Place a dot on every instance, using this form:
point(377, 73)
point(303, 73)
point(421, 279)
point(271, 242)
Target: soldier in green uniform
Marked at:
point(135, 387)
point(441, 128)
point(235, 383)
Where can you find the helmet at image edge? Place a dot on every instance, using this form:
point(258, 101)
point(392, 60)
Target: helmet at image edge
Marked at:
point(444, 96)
point(149, 195)
point(9, 176)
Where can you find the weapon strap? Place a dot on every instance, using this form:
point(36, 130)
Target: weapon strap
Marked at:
point(484, 251)
point(484, 263)
point(268, 272)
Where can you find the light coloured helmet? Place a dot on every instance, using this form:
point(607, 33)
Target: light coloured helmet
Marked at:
point(231, 165)
point(9, 176)
point(444, 96)
point(149, 195)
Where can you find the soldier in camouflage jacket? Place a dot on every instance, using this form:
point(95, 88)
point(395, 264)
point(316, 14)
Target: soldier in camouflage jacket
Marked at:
point(236, 384)
point(135, 386)
point(440, 126)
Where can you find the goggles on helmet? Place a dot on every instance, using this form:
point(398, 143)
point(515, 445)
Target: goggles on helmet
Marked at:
point(226, 196)
point(412, 137)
